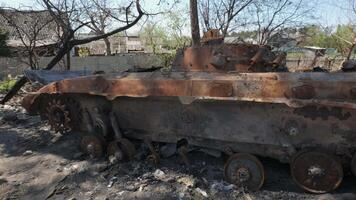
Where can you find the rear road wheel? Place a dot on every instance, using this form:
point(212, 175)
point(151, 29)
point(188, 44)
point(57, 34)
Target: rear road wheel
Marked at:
point(316, 172)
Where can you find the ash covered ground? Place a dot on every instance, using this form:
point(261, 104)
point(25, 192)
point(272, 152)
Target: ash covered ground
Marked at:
point(36, 163)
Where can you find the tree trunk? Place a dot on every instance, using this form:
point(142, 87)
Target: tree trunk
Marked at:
point(31, 61)
point(68, 61)
point(68, 43)
point(21, 82)
point(108, 46)
point(194, 20)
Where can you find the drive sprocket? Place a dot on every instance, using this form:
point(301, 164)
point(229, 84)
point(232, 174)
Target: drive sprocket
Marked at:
point(57, 114)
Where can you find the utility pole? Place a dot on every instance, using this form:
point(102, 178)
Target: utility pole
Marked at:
point(194, 21)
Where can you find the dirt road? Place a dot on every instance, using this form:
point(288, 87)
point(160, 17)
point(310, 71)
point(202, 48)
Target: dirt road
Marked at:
point(36, 163)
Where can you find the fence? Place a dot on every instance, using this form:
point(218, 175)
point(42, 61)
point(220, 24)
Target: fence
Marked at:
point(306, 63)
point(117, 63)
point(122, 62)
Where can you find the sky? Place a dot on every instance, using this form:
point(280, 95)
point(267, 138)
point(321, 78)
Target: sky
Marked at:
point(328, 12)
point(333, 12)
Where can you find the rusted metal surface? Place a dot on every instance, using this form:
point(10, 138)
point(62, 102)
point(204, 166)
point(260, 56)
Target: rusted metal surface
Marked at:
point(212, 37)
point(224, 58)
point(227, 98)
point(293, 89)
point(317, 172)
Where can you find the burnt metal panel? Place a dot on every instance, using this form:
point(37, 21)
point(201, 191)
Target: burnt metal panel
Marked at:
point(293, 89)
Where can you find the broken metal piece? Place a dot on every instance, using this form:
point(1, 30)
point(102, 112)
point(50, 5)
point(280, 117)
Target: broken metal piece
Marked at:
point(100, 122)
point(211, 152)
point(316, 172)
point(128, 148)
point(122, 149)
point(245, 170)
point(115, 126)
point(183, 153)
point(88, 121)
point(219, 61)
point(348, 66)
point(228, 151)
point(353, 165)
point(168, 150)
point(258, 57)
point(154, 155)
point(280, 60)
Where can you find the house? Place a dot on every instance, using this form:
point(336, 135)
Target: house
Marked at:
point(124, 43)
point(25, 27)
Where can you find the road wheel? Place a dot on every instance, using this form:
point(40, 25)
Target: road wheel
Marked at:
point(93, 145)
point(245, 170)
point(316, 172)
point(122, 149)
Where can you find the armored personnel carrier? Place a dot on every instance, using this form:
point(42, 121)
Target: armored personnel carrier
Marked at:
point(237, 99)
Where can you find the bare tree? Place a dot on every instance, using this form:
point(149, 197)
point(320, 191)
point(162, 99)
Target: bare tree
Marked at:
point(271, 16)
point(349, 6)
point(68, 16)
point(30, 30)
point(102, 14)
point(223, 14)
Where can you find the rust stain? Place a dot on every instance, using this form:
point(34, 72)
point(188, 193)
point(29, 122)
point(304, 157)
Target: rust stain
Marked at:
point(315, 112)
point(303, 92)
point(353, 93)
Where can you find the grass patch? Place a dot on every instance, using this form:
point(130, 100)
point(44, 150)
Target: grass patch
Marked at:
point(7, 85)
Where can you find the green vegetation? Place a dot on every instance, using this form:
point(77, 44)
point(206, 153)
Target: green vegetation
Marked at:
point(4, 50)
point(83, 52)
point(326, 38)
point(6, 85)
point(166, 38)
point(154, 37)
point(167, 59)
point(337, 38)
point(176, 25)
point(165, 41)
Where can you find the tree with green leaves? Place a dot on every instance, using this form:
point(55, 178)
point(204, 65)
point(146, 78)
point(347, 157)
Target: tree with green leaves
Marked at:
point(154, 37)
point(343, 38)
point(315, 36)
point(340, 39)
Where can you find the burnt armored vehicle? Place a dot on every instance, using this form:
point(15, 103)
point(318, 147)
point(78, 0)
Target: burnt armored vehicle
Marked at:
point(237, 99)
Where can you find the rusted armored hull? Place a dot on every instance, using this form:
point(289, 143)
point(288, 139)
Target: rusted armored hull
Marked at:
point(292, 89)
point(270, 130)
point(268, 114)
point(277, 115)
